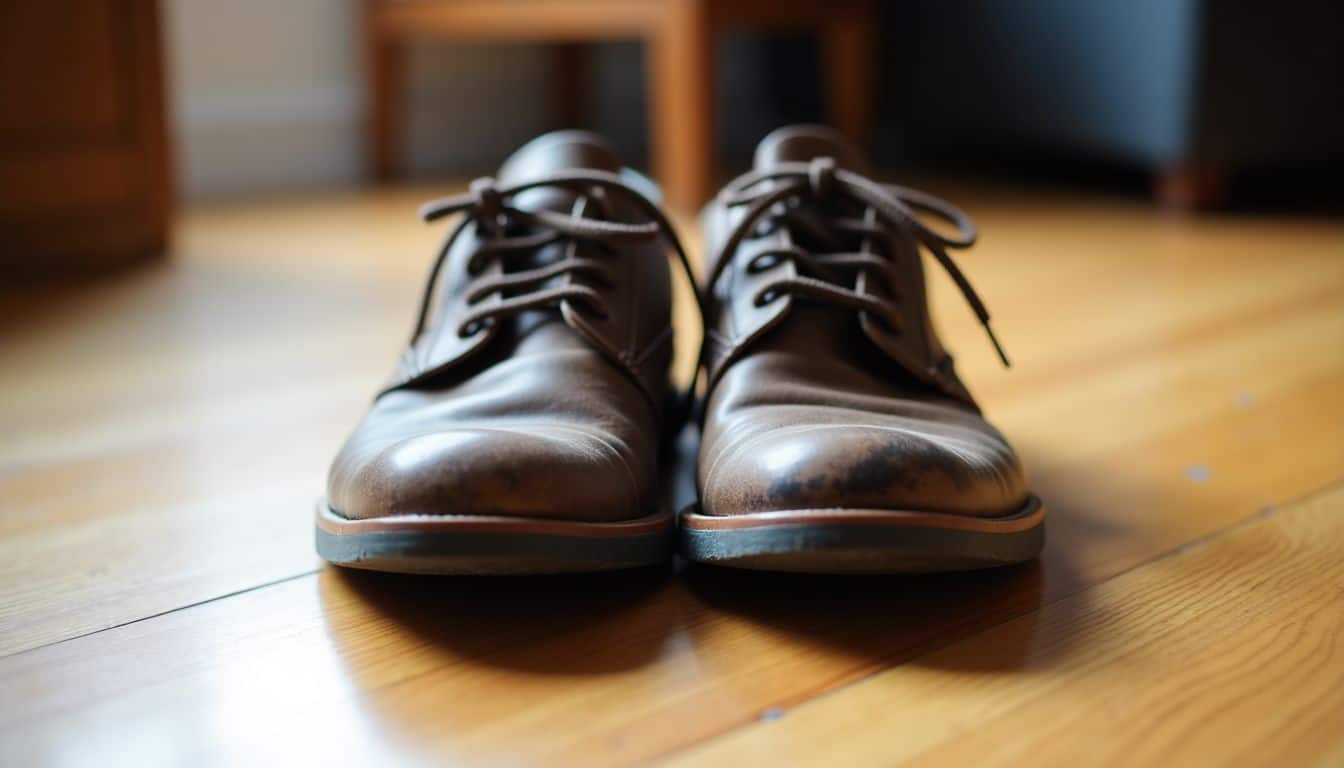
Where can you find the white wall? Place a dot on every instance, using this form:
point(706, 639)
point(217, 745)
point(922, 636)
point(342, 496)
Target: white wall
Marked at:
point(267, 96)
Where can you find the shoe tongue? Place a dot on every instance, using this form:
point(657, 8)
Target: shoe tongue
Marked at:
point(543, 157)
point(550, 154)
point(801, 143)
point(807, 325)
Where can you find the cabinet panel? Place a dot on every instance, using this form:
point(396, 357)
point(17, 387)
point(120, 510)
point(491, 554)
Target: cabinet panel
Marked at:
point(64, 65)
point(83, 146)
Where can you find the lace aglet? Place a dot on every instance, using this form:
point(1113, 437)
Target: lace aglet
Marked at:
point(998, 347)
point(436, 209)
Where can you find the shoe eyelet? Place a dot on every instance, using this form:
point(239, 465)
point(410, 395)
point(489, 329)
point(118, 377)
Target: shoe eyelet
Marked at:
point(762, 262)
point(472, 328)
point(766, 297)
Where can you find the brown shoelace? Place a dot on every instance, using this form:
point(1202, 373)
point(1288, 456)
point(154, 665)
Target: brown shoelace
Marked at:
point(488, 205)
point(889, 218)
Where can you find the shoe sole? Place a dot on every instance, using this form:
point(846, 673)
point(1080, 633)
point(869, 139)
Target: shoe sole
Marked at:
point(863, 541)
point(480, 544)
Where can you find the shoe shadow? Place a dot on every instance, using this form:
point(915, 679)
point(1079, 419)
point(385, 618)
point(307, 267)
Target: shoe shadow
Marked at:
point(536, 624)
point(608, 623)
point(875, 620)
point(897, 619)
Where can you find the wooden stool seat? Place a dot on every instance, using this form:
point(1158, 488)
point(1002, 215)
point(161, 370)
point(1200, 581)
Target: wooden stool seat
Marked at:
point(678, 37)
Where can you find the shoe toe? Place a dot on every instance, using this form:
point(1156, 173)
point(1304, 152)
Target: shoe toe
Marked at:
point(960, 466)
point(551, 471)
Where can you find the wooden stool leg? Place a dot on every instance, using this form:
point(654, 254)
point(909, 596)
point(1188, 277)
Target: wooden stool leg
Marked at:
point(848, 52)
point(681, 88)
point(384, 69)
point(569, 108)
point(1190, 187)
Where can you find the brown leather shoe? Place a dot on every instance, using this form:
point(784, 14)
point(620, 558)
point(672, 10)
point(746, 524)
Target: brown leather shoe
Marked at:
point(836, 434)
point(520, 433)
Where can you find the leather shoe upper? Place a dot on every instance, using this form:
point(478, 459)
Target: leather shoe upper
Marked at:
point(535, 382)
point(828, 387)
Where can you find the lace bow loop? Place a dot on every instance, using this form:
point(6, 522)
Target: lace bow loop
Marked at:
point(492, 208)
point(821, 181)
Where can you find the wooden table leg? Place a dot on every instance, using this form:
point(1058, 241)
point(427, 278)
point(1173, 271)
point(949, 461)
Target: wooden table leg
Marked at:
point(681, 89)
point(848, 63)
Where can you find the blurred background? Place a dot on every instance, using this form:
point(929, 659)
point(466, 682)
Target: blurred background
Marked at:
point(117, 111)
point(210, 260)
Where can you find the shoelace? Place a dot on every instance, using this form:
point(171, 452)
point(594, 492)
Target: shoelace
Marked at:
point(489, 206)
point(890, 211)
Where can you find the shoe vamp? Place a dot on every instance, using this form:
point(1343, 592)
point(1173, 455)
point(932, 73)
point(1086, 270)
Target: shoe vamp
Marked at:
point(549, 433)
point(784, 432)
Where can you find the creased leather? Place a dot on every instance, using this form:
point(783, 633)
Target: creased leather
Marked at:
point(552, 412)
point(812, 406)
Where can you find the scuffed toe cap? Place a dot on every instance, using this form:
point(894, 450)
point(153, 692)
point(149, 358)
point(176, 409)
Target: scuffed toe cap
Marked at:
point(548, 471)
point(785, 461)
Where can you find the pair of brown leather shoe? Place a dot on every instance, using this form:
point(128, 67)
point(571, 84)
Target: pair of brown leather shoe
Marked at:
point(527, 426)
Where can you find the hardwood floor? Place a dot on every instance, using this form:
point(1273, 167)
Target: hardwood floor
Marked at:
point(1176, 396)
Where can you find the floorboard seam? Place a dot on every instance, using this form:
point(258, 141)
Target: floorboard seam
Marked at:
point(188, 606)
point(1260, 515)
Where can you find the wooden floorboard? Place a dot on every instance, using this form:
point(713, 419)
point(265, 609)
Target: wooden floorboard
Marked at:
point(1228, 653)
point(165, 433)
point(164, 428)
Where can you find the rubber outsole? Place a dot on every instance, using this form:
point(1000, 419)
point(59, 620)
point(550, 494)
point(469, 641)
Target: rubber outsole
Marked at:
point(863, 541)
point(478, 544)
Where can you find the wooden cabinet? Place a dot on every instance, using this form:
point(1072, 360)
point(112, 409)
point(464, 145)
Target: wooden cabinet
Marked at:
point(84, 177)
